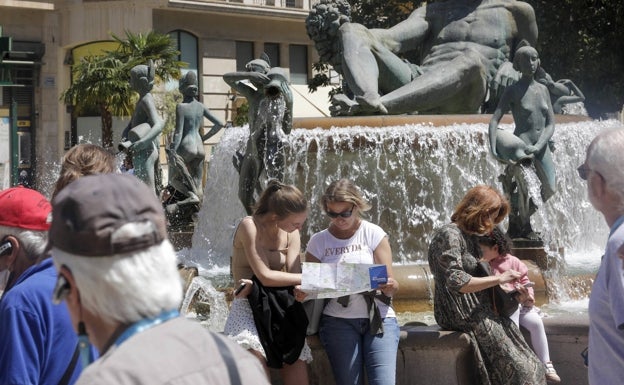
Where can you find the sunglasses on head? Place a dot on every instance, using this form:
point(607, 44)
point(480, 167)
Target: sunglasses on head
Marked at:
point(344, 214)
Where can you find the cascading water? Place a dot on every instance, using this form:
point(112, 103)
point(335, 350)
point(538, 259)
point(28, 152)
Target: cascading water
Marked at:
point(413, 176)
point(201, 291)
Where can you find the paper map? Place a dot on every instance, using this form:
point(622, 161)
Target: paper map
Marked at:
point(332, 280)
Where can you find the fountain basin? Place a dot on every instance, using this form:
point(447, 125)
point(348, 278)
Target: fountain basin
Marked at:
point(401, 120)
point(415, 288)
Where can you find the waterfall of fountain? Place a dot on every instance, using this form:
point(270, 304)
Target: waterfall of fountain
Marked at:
point(413, 175)
point(208, 303)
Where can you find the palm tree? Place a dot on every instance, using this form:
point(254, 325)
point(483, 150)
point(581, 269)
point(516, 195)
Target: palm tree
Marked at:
point(140, 48)
point(102, 81)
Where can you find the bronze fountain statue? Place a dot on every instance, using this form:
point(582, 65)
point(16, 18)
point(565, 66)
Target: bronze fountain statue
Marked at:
point(270, 117)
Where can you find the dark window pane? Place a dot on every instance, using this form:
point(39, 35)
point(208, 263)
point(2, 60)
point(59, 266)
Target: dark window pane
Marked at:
point(272, 49)
point(188, 50)
point(244, 54)
point(298, 55)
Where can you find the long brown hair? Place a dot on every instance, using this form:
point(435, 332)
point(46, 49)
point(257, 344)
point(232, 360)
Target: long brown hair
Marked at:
point(281, 200)
point(474, 213)
point(84, 159)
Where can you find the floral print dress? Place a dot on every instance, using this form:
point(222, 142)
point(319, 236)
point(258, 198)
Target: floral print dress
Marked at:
point(502, 355)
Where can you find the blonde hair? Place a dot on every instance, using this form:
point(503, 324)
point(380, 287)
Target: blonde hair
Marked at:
point(344, 190)
point(474, 213)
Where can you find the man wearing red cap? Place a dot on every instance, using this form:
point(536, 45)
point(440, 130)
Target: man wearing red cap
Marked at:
point(38, 343)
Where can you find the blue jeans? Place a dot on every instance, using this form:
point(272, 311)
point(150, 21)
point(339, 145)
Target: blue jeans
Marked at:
point(350, 347)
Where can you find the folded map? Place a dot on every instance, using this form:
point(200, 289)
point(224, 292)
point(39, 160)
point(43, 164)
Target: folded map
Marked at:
point(331, 280)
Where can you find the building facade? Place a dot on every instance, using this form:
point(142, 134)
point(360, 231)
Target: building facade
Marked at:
point(42, 39)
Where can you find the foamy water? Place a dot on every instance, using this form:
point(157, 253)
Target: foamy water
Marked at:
point(413, 176)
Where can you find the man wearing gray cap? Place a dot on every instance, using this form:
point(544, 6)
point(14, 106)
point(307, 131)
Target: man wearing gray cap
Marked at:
point(118, 276)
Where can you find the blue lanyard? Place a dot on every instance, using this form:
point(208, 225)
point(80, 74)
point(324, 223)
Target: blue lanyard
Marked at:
point(617, 224)
point(145, 324)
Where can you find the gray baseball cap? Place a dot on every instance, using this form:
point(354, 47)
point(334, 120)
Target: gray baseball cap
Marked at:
point(89, 213)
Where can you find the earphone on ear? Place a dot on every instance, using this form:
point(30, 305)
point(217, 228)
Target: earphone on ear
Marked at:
point(61, 289)
point(5, 247)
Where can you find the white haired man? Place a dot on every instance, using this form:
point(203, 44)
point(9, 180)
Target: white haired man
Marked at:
point(604, 172)
point(38, 344)
point(118, 276)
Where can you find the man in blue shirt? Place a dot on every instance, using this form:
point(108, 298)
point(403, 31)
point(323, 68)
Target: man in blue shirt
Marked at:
point(604, 174)
point(38, 341)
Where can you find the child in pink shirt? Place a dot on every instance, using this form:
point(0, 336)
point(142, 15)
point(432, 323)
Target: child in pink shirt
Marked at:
point(495, 249)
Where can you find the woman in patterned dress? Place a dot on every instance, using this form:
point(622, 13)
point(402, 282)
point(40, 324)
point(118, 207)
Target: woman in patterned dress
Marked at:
point(463, 299)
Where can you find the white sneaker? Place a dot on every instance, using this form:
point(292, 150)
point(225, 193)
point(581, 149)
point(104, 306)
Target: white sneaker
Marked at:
point(551, 373)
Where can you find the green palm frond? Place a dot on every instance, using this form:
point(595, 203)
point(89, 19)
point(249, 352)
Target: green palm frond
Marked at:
point(139, 48)
point(100, 80)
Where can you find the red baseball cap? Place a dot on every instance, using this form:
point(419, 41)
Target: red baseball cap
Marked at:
point(25, 208)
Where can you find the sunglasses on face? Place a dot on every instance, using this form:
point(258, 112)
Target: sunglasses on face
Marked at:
point(344, 214)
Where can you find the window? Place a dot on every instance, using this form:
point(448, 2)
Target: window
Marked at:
point(298, 55)
point(244, 54)
point(187, 45)
point(272, 49)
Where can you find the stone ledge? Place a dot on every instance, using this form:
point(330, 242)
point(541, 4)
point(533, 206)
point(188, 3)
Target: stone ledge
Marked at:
point(400, 120)
point(426, 353)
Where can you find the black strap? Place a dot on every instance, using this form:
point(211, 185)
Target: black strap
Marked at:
point(374, 317)
point(70, 369)
point(226, 353)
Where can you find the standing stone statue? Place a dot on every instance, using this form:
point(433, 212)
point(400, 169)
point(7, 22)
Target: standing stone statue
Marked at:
point(186, 153)
point(457, 49)
point(270, 103)
point(141, 137)
point(534, 121)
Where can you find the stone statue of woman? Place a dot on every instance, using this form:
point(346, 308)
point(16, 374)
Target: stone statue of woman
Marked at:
point(140, 137)
point(186, 153)
point(534, 120)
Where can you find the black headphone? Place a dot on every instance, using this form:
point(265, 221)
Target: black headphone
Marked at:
point(5, 247)
point(61, 289)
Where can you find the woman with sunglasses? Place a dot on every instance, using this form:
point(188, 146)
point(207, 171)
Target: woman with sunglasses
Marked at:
point(351, 339)
point(265, 256)
point(462, 299)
